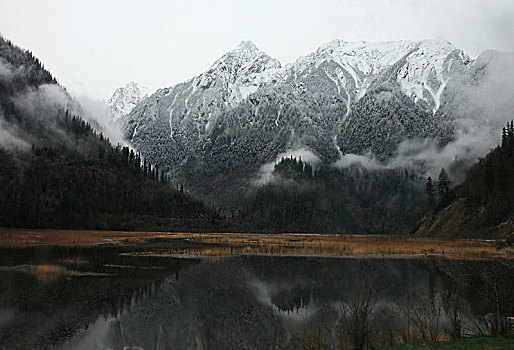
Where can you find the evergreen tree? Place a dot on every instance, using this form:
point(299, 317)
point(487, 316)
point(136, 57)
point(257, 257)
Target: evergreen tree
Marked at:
point(508, 137)
point(443, 183)
point(430, 191)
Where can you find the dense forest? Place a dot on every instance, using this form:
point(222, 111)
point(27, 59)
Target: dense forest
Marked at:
point(330, 200)
point(56, 188)
point(483, 205)
point(56, 171)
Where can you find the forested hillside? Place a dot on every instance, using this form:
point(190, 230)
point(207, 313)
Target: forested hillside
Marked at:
point(482, 206)
point(330, 200)
point(56, 171)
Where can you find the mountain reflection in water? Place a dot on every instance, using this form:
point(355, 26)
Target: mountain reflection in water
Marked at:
point(99, 299)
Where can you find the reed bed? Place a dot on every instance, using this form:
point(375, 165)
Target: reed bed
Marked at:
point(342, 245)
point(226, 244)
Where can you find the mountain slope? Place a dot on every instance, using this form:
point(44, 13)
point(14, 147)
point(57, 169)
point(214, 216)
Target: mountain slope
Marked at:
point(330, 200)
point(57, 172)
point(217, 131)
point(483, 205)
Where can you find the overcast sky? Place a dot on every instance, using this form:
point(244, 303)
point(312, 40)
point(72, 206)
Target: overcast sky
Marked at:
point(95, 46)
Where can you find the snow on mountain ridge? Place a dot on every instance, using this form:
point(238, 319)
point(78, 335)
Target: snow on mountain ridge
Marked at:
point(420, 70)
point(124, 99)
point(422, 76)
point(240, 71)
point(219, 128)
point(427, 70)
point(243, 70)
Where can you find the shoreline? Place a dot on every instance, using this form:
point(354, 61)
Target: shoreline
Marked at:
point(215, 245)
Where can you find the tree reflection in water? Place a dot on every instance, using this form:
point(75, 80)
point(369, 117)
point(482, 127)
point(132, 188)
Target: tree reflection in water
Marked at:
point(247, 302)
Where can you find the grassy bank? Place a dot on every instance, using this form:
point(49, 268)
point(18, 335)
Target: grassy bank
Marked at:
point(482, 343)
point(225, 244)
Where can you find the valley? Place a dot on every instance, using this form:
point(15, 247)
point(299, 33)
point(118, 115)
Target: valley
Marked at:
point(223, 245)
point(359, 196)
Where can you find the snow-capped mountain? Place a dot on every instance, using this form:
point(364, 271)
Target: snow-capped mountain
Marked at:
point(124, 99)
point(421, 68)
point(221, 128)
point(240, 72)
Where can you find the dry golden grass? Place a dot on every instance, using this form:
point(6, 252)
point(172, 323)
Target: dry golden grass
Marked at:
point(47, 273)
point(35, 237)
point(340, 245)
point(225, 244)
point(74, 261)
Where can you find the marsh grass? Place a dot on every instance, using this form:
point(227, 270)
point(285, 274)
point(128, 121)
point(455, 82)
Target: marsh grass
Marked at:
point(226, 244)
point(336, 245)
point(479, 343)
point(48, 273)
point(74, 261)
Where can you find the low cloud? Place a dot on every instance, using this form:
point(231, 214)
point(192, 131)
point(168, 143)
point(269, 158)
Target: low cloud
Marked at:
point(6, 71)
point(427, 157)
point(366, 161)
point(483, 105)
point(43, 104)
point(265, 174)
point(94, 111)
point(9, 137)
point(44, 101)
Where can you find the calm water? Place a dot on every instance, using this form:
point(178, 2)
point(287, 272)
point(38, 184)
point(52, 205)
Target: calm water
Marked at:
point(95, 298)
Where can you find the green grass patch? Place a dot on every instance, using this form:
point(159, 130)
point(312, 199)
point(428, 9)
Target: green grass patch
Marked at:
point(482, 343)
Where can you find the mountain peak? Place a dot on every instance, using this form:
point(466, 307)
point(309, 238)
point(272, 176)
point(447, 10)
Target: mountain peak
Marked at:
point(247, 45)
point(125, 98)
point(242, 70)
point(132, 84)
point(132, 87)
point(245, 62)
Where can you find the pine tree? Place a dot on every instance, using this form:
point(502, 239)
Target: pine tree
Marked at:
point(443, 183)
point(430, 191)
point(508, 137)
point(137, 163)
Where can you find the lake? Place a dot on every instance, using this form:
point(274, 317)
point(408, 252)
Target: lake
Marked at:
point(101, 298)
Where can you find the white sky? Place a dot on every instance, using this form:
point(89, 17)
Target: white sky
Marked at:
point(95, 46)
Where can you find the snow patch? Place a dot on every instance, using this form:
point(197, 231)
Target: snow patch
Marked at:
point(245, 91)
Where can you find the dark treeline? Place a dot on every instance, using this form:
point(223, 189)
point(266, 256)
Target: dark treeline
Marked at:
point(58, 172)
point(100, 148)
point(490, 183)
point(437, 193)
point(330, 200)
point(25, 69)
point(102, 187)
